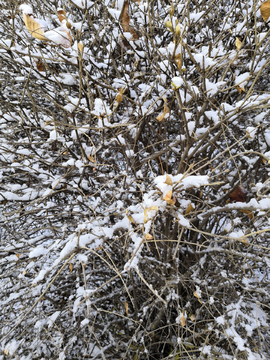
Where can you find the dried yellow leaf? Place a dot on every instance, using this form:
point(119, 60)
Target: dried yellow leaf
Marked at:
point(168, 25)
point(80, 47)
point(34, 28)
point(244, 241)
point(183, 320)
point(70, 268)
point(168, 198)
point(166, 110)
point(192, 318)
point(149, 209)
point(172, 10)
point(119, 98)
point(265, 10)
point(90, 157)
point(178, 30)
point(197, 296)
point(126, 307)
point(130, 218)
point(18, 255)
point(240, 89)
point(189, 209)
point(238, 44)
point(168, 180)
point(148, 236)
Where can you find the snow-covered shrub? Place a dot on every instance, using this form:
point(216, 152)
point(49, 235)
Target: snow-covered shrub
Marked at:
point(134, 180)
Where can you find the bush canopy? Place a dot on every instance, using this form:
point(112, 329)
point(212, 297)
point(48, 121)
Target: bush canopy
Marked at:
point(134, 179)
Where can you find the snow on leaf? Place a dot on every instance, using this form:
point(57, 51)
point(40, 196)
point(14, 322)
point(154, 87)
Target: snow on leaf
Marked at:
point(146, 210)
point(176, 82)
point(198, 294)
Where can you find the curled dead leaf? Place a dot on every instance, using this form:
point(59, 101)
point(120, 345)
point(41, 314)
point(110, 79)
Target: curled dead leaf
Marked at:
point(125, 21)
point(166, 111)
point(130, 218)
point(70, 268)
point(238, 194)
point(240, 89)
point(61, 15)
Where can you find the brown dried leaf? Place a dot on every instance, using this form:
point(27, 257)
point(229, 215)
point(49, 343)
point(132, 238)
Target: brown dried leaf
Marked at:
point(238, 194)
point(124, 17)
point(126, 307)
point(148, 236)
point(61, 15)
point(265, 10)
point(189, 209)
point(240, 89)
point(249, 213)
point(244, 241)
point(34, 27)
point(125, 20)
point(70, 268)
point(40, 65)
point(18, 255)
